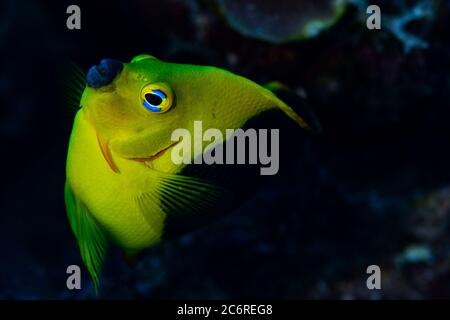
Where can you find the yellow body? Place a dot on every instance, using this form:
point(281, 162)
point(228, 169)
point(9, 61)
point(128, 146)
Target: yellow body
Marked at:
point(109, 196)
point(109, 181)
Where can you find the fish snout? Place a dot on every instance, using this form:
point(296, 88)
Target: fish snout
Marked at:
point(103, 73)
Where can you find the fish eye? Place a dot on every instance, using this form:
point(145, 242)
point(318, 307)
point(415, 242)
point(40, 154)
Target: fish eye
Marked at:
point(157, 97)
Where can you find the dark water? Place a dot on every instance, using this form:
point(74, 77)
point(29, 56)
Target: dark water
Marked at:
point(374, 188)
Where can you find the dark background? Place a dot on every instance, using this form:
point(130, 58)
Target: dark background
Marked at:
point(374, 188)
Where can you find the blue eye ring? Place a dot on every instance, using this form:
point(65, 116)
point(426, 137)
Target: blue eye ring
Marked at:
point(157, 97)
point(154, 99)
point(150, 107)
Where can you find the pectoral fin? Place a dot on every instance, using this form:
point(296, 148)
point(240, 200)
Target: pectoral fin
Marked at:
point(180, 195)
point(91, 239)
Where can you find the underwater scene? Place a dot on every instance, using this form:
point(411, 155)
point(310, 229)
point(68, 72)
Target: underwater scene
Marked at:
point(225, 149)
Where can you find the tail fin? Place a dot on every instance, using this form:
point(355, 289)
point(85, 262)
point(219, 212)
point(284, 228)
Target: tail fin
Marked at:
point(302, 115)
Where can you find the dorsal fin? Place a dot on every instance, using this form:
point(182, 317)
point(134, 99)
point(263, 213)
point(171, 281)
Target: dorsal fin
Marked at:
point(294, 106)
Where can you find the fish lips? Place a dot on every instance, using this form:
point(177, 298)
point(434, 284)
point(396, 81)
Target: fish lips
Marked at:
point(106, 152)
point(156, 155)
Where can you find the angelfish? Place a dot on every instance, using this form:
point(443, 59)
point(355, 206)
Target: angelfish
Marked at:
point(121, 184)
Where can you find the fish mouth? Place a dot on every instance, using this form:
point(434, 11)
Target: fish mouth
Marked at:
point(106, 152)
point(156, 155)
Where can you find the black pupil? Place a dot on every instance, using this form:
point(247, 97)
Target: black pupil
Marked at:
point(153, 99)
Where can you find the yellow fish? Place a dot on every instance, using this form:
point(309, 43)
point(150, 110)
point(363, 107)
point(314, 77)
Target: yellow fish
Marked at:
point(121, 183)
